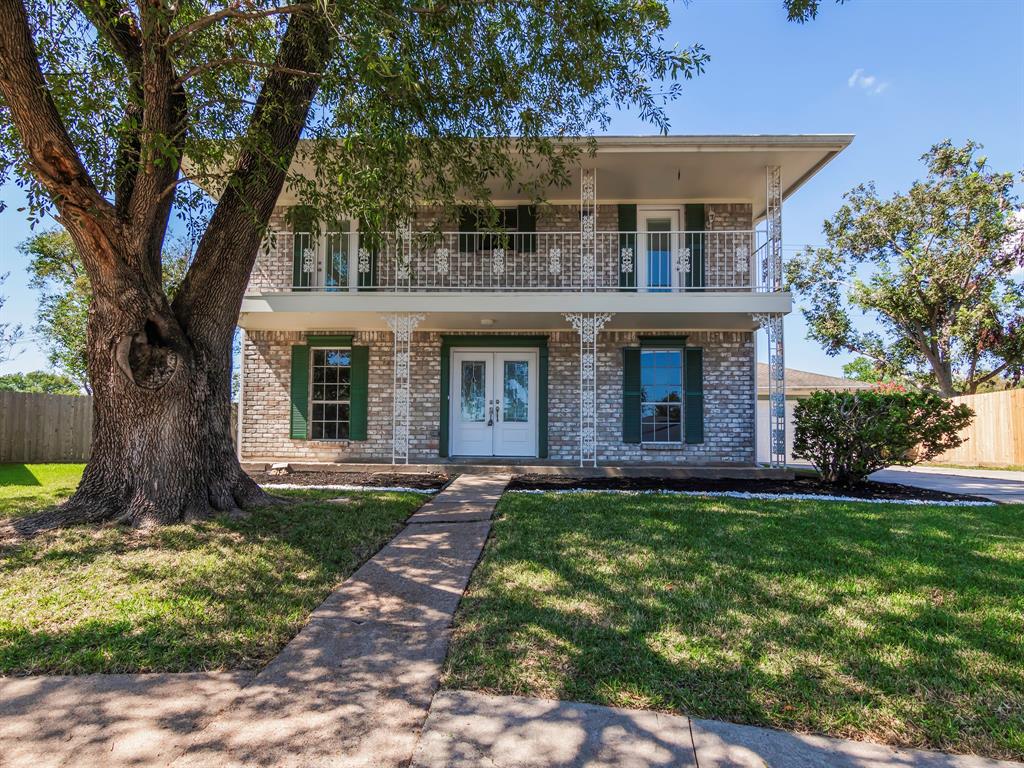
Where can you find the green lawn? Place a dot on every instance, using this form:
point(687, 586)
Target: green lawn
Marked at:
point(27, 488)
point(894, 623)
point(213, 595)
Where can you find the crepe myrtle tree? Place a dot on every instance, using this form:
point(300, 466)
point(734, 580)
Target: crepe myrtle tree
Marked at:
point(938, 269)
point(115, 113)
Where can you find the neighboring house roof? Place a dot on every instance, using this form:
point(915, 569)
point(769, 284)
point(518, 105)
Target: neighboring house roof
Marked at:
point(805, 382)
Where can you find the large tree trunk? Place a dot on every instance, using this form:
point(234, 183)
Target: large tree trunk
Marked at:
point(160, 375)
point(161, 446)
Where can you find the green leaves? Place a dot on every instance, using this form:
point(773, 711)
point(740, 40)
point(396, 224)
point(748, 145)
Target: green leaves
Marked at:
point(933, 267)
point(849, 435)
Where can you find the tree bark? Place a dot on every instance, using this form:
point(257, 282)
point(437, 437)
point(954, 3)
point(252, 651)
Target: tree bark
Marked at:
point(161, 375)
point(161, 449)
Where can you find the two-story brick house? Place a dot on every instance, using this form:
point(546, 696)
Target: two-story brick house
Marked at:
point(615, 324)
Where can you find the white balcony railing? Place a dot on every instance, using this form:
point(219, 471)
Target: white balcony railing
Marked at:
point(525, 261)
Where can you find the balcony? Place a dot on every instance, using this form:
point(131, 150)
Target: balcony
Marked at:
point(661, 262)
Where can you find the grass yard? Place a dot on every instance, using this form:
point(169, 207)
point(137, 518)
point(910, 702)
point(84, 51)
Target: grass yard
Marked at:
point(882, 622)
point(219, 594)
point(28, 488)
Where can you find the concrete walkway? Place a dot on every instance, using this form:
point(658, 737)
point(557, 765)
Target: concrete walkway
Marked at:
point(467, 729)
point(354, 686)
point(108, 720)
point(1002, 486)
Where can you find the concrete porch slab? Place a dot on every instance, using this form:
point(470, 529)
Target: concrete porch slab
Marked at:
point(531, 467)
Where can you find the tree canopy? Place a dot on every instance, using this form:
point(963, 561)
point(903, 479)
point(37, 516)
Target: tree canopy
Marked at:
point(937, 268)
point(10, 333)
point(40, 381)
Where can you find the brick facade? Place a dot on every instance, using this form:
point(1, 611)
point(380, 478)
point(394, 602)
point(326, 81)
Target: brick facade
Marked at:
point(728, 400)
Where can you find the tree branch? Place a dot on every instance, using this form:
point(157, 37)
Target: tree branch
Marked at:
point(208, 301)
point(234, 12)
point(52, 156)
point(214, 63)
point(116, 24)
point(988, 376)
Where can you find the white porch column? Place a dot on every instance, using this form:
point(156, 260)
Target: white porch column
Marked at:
point(402, 325)
point(772, 325)
point(588, 325)
point(588, 229)
point(772, 267)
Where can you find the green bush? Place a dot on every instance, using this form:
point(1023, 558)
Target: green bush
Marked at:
point(849, 435)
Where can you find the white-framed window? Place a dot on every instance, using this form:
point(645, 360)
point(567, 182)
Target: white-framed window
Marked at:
point(661, 396)
point(330, 393)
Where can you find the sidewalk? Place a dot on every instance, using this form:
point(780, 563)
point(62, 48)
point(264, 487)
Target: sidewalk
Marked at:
point(467, 729)
point(354, 686)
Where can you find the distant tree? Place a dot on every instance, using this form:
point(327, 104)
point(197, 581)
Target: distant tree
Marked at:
point(862, 369)
point(935, 267)
point(10, 333)
point(40, 381)
point(56, 271)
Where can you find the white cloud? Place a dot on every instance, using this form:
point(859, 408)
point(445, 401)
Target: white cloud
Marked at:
point(867, 83)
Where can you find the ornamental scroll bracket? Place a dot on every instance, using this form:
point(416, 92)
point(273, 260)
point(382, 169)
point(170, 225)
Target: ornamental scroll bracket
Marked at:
point(588, 325)
point(402, 325)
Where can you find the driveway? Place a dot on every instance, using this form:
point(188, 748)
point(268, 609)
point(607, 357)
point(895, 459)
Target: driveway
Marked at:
point(998, 485)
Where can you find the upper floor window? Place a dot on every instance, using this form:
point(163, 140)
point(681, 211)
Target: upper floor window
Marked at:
point(330, 396)
point(661, 396)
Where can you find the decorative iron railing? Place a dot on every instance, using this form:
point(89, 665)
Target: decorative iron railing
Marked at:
point(524, 261)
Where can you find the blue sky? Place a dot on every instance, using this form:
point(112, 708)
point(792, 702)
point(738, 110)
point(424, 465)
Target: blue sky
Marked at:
point(899, 75)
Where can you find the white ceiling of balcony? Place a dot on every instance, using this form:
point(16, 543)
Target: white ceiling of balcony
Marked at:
point(660, 169)
point(700, 168)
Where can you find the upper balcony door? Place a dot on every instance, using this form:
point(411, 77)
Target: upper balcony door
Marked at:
point(658, 244)
point(494, 403)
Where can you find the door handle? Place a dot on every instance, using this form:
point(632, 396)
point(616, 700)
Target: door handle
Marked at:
point(497, 411)
point(490, 413)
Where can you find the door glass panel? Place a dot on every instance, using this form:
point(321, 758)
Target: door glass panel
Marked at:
point(336, 260)
point(473, 390)
point(516, 391)
point(659, 253)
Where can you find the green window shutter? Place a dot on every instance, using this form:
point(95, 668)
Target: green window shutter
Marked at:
point(527, 223)
point(300, 392)
point(371, 242)
point(359, 393)
point(693, 408)
point(631, 395)
point(303, 236)
point(627, 239)
point(693, 215)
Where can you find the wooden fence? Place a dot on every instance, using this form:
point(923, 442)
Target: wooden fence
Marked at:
point(38, 428)
point(996, 436)
point(35, 429)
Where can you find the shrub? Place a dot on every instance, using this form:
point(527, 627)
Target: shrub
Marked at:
point(849, 435)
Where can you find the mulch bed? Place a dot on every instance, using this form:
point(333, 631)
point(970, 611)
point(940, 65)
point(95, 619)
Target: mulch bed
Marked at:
point(800, 485)
point(427, 482)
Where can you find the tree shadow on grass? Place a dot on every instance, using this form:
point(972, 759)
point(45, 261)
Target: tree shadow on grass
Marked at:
point(211, 595)
point(885, 622)
point(17, 474)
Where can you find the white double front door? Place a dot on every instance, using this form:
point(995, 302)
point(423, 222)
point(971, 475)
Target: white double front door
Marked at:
point(494, 403)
